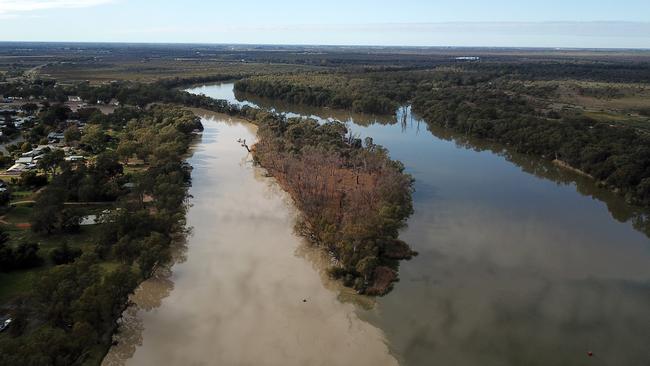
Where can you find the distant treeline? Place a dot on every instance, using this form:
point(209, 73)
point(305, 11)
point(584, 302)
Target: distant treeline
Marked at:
point(348, 95)
point(47, 89)
point(495, 101)
point(616, 155)
point(606, 71)
point(381, 90)
point(123, 91)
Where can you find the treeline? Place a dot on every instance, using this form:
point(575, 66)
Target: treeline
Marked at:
point(381, 91)
point(47, 89)
point(178, 81)
point(616, 155)
point(71, 313)
point(369, 95)
point(352, 196)
point(497, 101)
point(607, 71)
point(378, 92)
point(125, 92)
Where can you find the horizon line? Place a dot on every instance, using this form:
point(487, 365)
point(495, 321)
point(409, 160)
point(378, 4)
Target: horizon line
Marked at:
point(554, 48)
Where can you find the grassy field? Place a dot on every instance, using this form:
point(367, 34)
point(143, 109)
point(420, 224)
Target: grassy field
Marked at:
point(148, 71)
point(614, 103)
point(15, 222)
point(17, 283)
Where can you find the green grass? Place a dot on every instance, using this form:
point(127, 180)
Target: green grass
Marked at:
point(18, 214)
point(109, 266)
point(641, 123)
point(17, 283)
point(153, 70)
point(607, 117)
point(83, 240)
point(21, 195)
point(130, 169)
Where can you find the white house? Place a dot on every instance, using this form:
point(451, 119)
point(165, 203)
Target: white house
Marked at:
point(17, 169)
point(74, 158)
point(25, 160)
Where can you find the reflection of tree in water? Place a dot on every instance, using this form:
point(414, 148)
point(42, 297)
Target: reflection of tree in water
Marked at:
point(147, 296)
point(548, 321)
point(151, 292)
point(318, 113)
point(127, 338)
point(320, 260)
point(408, 120)
point(616, 205)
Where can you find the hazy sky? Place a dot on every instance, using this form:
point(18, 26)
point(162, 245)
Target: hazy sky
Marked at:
point(520, 23)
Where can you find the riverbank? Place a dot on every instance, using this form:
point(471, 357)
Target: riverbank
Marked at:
point(353, 197)
point(567, 166)
point(510, 107)
point(243, 274)
point(69, 311)
point(509, 246)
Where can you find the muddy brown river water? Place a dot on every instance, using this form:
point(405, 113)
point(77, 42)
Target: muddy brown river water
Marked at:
point(521, 263)
point(245, 290)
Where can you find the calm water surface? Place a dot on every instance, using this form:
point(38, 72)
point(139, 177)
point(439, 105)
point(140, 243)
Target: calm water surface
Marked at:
point(245, 290)
point(521, 263)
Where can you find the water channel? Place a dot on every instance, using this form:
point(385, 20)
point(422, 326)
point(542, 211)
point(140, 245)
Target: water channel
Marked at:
point(521, 263)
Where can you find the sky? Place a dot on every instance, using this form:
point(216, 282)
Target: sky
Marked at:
point(465, 23)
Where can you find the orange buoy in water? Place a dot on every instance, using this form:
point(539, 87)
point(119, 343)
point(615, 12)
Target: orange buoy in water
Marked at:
point(590, 354)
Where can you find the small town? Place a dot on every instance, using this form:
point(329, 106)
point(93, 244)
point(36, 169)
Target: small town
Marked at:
point(28, 144)
point(75, 172)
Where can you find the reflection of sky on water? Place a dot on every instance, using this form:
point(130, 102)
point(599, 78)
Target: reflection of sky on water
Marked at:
point(236, 296)
point(521, 263)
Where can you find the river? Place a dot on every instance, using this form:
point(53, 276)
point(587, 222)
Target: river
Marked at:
point(521, 263)
point(245, 290)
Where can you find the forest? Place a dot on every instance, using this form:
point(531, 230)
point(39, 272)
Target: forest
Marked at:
point(70, 311)
point(616, 156)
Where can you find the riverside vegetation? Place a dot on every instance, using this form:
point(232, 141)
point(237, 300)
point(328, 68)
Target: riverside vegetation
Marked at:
point(587, 109)
point(352, 196)
point(79, 279)
point(590, 116)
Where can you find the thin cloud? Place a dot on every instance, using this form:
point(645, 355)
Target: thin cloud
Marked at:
point(12, 8)
point(566, 28)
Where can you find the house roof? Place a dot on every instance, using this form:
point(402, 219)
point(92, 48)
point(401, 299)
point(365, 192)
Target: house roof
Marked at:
point(24, 160)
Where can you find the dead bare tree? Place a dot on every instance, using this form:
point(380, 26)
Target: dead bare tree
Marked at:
point(243, 144)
